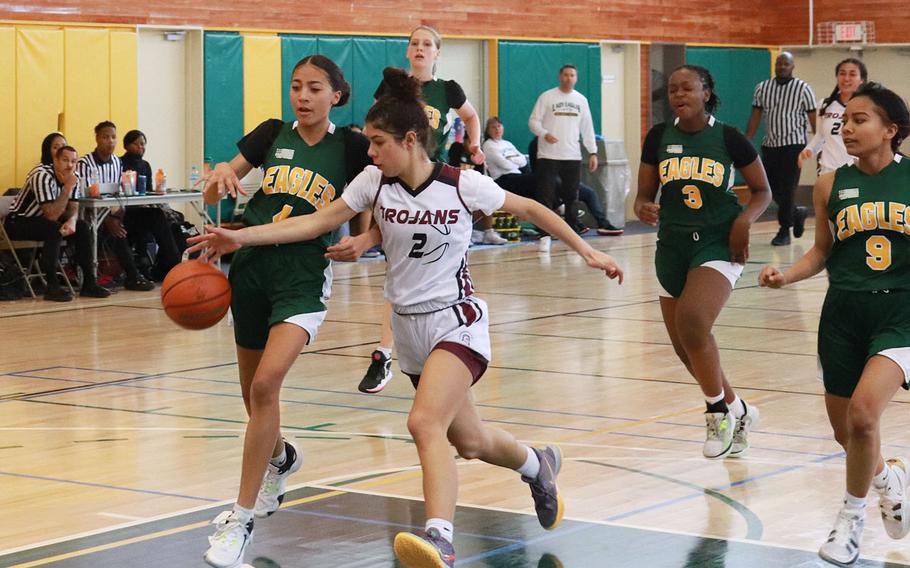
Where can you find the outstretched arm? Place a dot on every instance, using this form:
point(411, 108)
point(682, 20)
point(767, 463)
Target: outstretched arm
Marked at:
point(553, 224)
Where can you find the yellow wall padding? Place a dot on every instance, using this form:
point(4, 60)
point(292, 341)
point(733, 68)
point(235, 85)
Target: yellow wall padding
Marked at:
point(124, 83)
point(7, 108)
point(39, 92)
point(86, 85)
point(262, 88)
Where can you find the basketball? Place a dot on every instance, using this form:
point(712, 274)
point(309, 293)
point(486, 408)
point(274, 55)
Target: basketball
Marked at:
point(195, 294)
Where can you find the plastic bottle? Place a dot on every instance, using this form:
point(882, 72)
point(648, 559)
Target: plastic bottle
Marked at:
point(194, 177)
point(160, 181)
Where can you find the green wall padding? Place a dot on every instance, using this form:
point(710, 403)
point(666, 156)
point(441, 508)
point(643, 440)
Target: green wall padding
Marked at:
point(526, 69)
point(223, 84)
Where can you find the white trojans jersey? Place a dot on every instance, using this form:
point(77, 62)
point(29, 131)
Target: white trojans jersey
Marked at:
point(426, 232)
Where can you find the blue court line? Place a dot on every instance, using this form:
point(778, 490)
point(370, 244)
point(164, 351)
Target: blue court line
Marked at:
point(366, 521)
point(105, 486)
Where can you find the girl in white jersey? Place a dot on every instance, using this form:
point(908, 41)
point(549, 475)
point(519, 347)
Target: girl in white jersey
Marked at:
point(850, 73)
point(424, 213)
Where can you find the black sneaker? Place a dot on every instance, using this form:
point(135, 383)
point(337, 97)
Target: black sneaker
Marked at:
point(799, 221)
point(58, 294)
point(139, 284)
point(782, 238)
point(608, 230)
point(94, 290)
point(378, 375)
point(419, 551)
point(580, 229)
point(547, 500)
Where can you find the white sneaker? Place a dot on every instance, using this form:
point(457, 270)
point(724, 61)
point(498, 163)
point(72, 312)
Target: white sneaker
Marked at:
point(476, 237)
point(719, 438)
point(228, 544)
point(842, 546)
point(271, 494)
point(491, 237)
point(744, 425)
point(892, 500)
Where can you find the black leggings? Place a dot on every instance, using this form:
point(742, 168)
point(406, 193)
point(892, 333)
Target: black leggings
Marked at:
point(783, 176)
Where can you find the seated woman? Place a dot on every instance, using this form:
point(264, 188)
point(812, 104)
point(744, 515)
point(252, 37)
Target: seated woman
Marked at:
point(147, 223)
point(506, 165)
point(460, 158)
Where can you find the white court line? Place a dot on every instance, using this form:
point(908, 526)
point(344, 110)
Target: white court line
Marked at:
point(119, 516)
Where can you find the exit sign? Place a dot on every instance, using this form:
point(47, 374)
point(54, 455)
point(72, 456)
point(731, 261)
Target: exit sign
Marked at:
point(849, 32)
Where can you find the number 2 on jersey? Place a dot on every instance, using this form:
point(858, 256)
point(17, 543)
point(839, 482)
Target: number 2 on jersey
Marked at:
point(878, 248)
point(420, 239)
point(693, 196)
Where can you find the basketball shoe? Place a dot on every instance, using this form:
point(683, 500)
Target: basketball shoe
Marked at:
point(744, 425)
point(271, 494)
point(427, 551)
point(842, 546)
point(547, 500)
point(892, 499)
point(378, 374)
point(228, 544)
point(719, 436)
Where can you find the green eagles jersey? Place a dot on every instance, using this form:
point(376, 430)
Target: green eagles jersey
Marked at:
point(298, 178)
point(439, 96)
point(870, 217)
point(696, 174)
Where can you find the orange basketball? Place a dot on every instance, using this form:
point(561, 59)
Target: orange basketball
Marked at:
point(195, 294)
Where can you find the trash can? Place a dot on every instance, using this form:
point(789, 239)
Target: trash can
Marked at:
point(611, 179)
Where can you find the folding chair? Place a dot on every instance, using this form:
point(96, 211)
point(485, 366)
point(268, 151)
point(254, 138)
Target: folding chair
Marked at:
point(34, 269)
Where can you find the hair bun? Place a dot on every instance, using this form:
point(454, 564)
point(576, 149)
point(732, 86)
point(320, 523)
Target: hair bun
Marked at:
point(400, 85)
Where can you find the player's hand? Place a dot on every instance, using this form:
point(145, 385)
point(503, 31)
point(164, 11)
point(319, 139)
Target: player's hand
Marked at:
point(739, 241)
point(215, 243)
point(349, 248)
point(223, 181)
point(592, 162)
point(476, 154)
point(803, 156)
point(550, 138)
point(605, 262)
point(649, 213)
point(771, 277)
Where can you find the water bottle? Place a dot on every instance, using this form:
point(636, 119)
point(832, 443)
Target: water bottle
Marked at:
point(194, 177)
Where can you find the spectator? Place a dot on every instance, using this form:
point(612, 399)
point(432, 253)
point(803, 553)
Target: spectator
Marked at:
point(560, 117)
point(459, 157)
point(505, 164)
point(44, 211)
point(788, 102)
point(104, 166)
point(49, 146)
point(147, 223)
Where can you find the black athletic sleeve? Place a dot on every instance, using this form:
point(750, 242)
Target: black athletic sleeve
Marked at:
point(355, 153)
point(651, 146)
point(455, 96)
point(254, 145)
point(738, 146)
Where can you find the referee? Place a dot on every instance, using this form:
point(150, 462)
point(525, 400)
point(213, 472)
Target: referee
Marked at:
point(788, 103)
point(45, 211)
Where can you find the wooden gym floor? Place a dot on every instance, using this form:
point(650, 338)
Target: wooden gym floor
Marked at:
point(120, 434)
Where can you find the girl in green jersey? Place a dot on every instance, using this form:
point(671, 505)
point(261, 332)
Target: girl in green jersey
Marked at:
point(864, 329)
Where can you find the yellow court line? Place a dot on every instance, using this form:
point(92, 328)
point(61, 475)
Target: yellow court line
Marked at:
point(152, 536)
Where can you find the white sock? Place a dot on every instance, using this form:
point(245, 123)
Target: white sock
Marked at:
point(445, 528)
point(856, 505)
point(531, 467)
point(880, 479)
point(279, 460)
point(737, 407)
point(243, 515)
point(387, 351)
point(715, 399)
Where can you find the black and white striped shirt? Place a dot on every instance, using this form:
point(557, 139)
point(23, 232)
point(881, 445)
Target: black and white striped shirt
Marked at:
point(786, 109)
point(106, 172)
point(41, 186)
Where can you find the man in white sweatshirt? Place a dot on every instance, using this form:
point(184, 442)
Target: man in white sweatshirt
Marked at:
point(560, 117)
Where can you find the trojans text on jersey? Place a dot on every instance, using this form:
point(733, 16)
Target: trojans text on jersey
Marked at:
point(692, 167)
point(419, 217)
point(305, 184)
